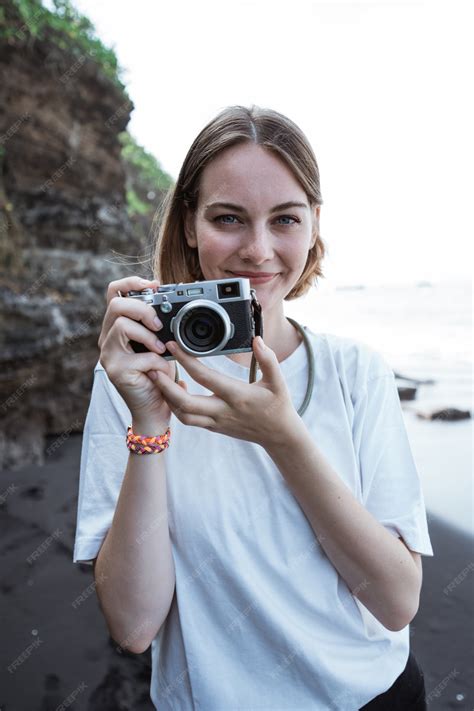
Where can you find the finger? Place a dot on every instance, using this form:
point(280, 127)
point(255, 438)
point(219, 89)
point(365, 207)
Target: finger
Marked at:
point(226, 388)
point(206, 423)
point(138, 363)
point(267, 363)
point(131, 283)
point(187, 407)
point(132, 308)
point(125, 329)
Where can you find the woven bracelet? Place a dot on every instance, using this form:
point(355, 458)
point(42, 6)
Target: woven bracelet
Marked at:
point(147, 445)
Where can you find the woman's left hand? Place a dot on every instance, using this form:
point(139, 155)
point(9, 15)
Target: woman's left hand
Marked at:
point(258, 412)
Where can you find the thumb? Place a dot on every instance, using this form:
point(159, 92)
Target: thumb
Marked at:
point(265, 357)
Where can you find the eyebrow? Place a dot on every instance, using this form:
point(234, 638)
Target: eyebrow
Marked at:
point(239, 208)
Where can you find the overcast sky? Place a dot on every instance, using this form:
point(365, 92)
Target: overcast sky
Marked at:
point(382, 89)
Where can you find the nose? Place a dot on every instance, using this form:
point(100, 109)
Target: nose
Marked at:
point(256, 245)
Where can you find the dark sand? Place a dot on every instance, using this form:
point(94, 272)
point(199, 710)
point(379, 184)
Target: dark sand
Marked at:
point(69, 654)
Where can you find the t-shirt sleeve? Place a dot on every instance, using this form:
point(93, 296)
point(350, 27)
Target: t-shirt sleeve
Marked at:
point(104, 458)
point(391, 487)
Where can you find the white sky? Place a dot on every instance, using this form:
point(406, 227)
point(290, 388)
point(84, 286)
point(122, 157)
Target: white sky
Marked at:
point(382, 89)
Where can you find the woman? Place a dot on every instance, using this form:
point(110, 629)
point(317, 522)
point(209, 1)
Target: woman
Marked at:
point(270, 554)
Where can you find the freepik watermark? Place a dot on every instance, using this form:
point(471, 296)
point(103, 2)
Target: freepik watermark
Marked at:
point(306, 552)
point(84, 328)
point(286, 662)
point(88, 591)
point(48, 184)
point(76, 425)
point(24, 656)
point(8, 492)
point(198, 571)
point(30, 26)
point(73, 69)
point(178, 680)
point(354, 594)
point(72, 697)
point(438, 690)
point(107, 213)
point(133, 635)
point(44, 546)
point(14, 128)
point(40, 281)
point(123, 110)
point(459, 578)
point(241, 617)
point(156, 523)
point(14, 397)
point(76, 66)
point(362, 586)
point(344, 700)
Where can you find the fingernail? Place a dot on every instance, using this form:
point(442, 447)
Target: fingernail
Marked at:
point(157, 322)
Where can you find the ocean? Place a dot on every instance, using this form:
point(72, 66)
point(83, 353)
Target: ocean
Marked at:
point(424, 331)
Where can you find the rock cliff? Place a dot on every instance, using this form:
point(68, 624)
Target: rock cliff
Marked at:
point(64, 225)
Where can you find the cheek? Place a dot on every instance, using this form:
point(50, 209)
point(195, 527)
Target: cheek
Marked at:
point(294, 254)
point(213, 246)
point(211, 249)
point(294, 260)
point(213, 253)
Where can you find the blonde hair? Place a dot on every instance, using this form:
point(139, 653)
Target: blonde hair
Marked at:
point(173, 259)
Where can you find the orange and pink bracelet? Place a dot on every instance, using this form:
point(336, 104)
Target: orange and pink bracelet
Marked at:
point(147, 445)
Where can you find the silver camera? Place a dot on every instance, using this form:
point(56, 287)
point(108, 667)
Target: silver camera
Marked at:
point(205, 318)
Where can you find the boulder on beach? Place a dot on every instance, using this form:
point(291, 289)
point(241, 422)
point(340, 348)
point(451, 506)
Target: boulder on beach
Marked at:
point(451, 414)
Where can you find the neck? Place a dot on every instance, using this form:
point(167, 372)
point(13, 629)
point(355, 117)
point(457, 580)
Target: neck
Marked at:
point(279, 335)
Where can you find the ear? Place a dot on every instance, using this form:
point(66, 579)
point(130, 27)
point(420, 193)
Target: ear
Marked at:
point(189, 231)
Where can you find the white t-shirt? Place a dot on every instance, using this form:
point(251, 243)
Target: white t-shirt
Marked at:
point(260, 618)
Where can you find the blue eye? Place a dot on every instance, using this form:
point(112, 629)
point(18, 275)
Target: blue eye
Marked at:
point(289, 217)
point(219, 217)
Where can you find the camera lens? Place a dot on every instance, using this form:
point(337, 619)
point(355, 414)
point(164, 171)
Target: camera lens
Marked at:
point(202, 329)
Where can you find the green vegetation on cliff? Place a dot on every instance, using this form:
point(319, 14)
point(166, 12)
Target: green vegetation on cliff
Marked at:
point(146, 176)
point(23, 21)
point(64, 26)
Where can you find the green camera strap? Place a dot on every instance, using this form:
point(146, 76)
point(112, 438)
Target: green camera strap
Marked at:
point(254, 366)
point(310, 354)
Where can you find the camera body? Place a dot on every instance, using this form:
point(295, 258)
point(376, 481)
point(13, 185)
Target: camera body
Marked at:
point(205, 318)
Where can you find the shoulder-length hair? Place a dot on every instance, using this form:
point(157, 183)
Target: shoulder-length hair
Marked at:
point(173, 260)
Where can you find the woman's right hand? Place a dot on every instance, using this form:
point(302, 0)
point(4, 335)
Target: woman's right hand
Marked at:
point(132, 373)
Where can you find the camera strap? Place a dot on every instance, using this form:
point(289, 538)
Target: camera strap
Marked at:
point(257, 313)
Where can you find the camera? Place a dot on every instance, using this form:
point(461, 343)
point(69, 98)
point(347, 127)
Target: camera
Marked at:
point(205, 318)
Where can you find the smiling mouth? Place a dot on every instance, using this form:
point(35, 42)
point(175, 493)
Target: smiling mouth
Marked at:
point(254, 276)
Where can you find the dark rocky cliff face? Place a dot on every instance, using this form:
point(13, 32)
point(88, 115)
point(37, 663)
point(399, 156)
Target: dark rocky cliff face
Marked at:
point(63, 218)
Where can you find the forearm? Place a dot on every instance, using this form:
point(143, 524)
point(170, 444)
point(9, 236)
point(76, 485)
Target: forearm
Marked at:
point(134, 571)
point(376, 566)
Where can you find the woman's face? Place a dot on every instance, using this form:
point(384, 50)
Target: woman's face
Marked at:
point(249, 234)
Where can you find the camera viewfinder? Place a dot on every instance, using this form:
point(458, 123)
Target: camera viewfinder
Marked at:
point(228, 290)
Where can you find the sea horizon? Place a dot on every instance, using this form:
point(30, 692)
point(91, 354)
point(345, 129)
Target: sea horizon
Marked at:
point(424, 332)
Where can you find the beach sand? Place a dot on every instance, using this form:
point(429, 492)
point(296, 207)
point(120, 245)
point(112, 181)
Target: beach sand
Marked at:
point(63, 651)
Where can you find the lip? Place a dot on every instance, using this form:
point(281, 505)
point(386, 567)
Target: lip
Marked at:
point(257, 278)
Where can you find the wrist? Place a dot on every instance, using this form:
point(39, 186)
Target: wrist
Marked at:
point(290, 435)
point(151, 426)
